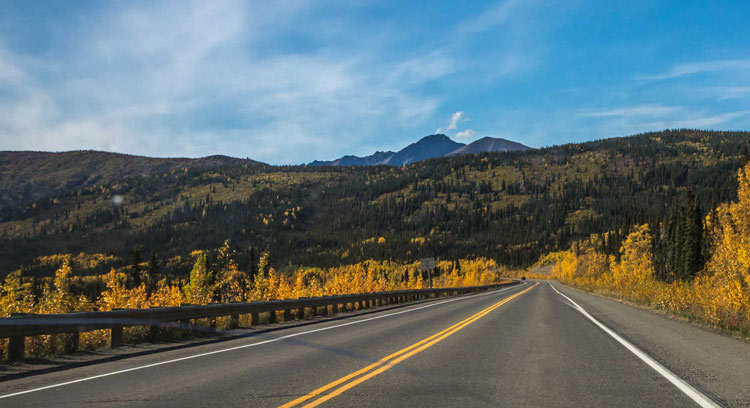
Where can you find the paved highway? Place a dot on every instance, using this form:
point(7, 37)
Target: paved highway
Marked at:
point(530, 345)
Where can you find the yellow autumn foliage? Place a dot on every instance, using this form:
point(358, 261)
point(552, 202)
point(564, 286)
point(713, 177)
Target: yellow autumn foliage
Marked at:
point(226, 284)
point(719, 295)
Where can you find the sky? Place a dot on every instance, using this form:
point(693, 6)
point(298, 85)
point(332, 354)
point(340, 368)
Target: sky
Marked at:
point(288, 82)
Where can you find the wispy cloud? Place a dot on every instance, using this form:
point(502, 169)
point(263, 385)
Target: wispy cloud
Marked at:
point(639, 110)
point(699, 68)
point(727, 92)
point(500, 13)
point(695, 121)
point(196, 79)
point(454, 120)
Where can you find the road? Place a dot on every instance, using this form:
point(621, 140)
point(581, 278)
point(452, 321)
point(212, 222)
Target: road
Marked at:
point(522, 346)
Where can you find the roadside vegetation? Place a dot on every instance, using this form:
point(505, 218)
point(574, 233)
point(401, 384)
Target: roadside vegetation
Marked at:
point(700, 271)
point(215, 277)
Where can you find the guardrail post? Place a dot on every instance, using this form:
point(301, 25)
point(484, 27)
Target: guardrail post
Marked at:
point(16, 348)
point(115, 339)
point(272, 316)
point(335, 308)
point(234, 321)
point(184, 327)
point(287, 315)
point(153, 331)
point(185, 323)
point(71, 345)
point(254, 319)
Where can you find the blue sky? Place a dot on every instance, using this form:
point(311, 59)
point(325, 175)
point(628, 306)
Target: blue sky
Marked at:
point(293, 81)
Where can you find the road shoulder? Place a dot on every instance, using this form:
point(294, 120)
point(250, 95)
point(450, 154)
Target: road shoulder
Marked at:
point(716, 364)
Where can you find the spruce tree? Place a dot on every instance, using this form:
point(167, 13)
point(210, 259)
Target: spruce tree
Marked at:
point(134, 278)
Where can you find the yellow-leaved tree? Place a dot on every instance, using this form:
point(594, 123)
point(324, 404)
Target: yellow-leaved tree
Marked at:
point(15, 296)
point(230, 282)
point(200, 288)
point(726, 288)
point(117, 296)
point(166, 295)
point(633, 276)
point(58, 298)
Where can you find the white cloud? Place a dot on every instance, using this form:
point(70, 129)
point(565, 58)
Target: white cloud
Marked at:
point(455, 119)
point(453, 122)
point(699, 68)
point(197, 79)
point(466, 134)
point(229, 77)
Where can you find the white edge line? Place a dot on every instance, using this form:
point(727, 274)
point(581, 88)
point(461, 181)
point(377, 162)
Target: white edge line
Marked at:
point(697, 396)
point(276, 339)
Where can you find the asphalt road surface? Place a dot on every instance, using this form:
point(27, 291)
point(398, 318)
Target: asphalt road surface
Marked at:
point(530, 345)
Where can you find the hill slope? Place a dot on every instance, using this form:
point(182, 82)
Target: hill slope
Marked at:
point(27, 176)
point(510, 206)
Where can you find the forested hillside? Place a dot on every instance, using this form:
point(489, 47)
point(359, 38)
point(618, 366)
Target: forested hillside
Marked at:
point(512, 207)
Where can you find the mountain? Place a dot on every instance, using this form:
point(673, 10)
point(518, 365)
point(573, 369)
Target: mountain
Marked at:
point(490, 144)
point(428, 147)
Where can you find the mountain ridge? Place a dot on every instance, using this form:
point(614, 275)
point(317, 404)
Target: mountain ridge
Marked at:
point(428, 147)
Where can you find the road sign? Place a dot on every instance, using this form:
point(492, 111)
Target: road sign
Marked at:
point(427, 264)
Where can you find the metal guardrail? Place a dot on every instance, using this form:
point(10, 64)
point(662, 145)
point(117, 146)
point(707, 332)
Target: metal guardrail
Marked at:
point(17, 327)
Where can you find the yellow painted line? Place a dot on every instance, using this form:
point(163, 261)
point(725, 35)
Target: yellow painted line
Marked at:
point(391, 360)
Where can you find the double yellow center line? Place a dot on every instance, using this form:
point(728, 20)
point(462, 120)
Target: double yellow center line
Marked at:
point(352, 380)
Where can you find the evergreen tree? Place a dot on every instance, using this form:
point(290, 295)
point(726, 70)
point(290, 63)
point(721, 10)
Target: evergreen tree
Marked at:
point(153, 275)
point(679, 248)
point(692, 244)
point(134, 274)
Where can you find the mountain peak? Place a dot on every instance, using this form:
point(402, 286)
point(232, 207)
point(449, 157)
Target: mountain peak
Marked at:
point(436, 136)
point(490, 144)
